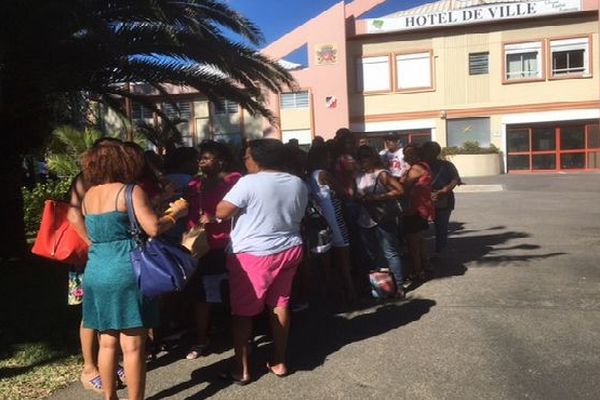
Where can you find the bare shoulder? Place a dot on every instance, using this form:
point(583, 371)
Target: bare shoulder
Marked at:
point(417, 168)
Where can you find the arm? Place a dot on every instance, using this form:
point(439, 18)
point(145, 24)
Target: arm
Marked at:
point(395, 189)
point(413, 175)
point(325, 178)
point(226, 210)
point(455, 180)
point(148, 220)
point(74, 215)
point(235, 200)
point(448, 188)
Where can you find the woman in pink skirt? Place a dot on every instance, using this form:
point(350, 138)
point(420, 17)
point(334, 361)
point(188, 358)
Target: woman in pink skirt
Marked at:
point(266, 248)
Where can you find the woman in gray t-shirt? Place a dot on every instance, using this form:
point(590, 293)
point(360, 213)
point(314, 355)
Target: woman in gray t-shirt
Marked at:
point(266, 248)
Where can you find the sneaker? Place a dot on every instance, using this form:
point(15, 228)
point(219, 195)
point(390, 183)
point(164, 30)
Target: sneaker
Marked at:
point(400, 294)
point(406, 284)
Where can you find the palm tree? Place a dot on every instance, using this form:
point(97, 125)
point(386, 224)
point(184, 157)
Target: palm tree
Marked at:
point(69, 143)
point(162, 135)
point(54, 47)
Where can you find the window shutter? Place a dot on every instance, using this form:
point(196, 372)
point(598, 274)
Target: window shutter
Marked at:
point(294, 100)
point(479, 63)
point(414, 70)
point(373, 74)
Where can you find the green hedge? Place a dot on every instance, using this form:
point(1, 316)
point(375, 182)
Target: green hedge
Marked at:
point(33, 201)
point(470, 148)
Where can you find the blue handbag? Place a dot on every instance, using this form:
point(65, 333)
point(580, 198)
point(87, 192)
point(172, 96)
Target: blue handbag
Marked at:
point(159, 266)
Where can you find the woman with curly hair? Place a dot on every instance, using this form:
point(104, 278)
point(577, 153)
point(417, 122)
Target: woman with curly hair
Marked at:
point(113, 304)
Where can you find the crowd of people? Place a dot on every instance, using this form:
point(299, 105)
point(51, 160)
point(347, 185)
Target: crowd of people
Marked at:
point(265, 247)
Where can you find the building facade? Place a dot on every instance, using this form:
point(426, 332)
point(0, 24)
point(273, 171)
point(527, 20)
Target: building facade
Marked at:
point(520, 75)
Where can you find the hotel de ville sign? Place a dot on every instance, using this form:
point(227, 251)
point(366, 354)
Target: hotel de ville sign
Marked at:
point(473, 15)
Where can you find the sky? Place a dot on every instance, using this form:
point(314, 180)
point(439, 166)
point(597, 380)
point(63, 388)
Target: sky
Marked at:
point(278, 17)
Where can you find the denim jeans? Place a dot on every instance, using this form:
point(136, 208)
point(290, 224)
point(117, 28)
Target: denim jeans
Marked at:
point(383, 248)
point(441, 221)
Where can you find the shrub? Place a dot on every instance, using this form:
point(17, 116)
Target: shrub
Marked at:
point(469, 148)
point(33, 201)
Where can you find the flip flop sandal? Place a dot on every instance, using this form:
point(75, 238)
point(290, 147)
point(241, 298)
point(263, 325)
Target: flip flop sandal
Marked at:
point(121, 375)
point(196, 351)
point(94, 384)
point(228, 376)
point(270, 369)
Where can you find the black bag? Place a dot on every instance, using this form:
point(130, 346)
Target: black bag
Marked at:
point(318, 234)
point(383, 211)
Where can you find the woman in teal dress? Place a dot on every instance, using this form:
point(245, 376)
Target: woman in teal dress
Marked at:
point(113, 304)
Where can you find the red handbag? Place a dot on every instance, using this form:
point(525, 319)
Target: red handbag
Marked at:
point(56, 239)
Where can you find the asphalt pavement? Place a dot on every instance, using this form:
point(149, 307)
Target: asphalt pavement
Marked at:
point(512, 313)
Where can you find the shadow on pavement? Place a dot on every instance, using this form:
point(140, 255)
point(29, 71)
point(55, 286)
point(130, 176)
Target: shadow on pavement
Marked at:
point(314, 336)
point(487, 248)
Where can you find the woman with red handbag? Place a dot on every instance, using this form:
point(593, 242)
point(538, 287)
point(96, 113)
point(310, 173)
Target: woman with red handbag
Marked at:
point(90, 377)
point(113, 304)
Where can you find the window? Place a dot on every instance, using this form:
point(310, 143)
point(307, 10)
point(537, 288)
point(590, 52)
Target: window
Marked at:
point(294, 100)
point(183, 112)
point(224, 106)
point(304, 136)
point(570, 57)
point(373, 74)
point(479, 63)
point(523, 61)
point(414, 70)
point(468, 130)
point(140, 112)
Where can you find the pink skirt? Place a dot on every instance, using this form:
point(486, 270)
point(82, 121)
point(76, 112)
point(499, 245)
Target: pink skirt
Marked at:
point(258, 280)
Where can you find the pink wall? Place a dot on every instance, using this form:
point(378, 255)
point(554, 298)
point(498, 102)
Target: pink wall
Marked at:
point(322, 80)
point(589, 5)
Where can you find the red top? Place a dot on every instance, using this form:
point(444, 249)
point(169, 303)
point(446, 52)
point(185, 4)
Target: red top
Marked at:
point(193, 197)
point(217, 234)
point(420, 195)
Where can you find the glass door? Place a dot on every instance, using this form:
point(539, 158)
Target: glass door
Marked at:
point(519, 149)
point(553, 147)
point(572, 147)
point(593, 146)
point(543, 148)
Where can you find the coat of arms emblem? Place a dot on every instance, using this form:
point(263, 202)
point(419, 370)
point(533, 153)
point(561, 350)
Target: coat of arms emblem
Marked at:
point(326, 54)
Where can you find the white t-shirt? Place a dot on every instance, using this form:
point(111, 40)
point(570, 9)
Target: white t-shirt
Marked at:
point(367, 183)
point(272, 205)
point(394, 162)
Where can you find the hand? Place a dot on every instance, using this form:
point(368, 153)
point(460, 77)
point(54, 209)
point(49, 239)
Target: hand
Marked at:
point(178, 208)
point(205, 219)
point(437, 194)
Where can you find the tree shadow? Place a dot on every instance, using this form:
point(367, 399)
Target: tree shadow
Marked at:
point(9, 372)
point(484, 248)
point(314, 336)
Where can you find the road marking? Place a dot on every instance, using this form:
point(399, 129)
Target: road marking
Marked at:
point(478, 188)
